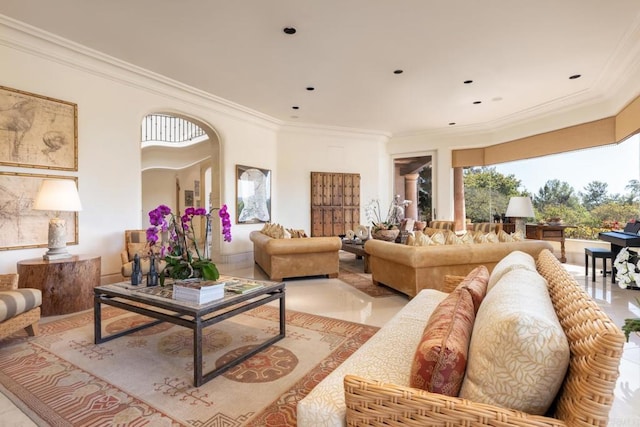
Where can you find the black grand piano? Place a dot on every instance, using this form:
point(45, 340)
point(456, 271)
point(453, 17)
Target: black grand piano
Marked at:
point(626, 238)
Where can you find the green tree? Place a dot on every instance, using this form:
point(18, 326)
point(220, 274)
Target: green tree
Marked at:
point(595, 194)
point(555, 193)
point(487, 192)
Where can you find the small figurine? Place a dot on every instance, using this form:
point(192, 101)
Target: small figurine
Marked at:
point(136, 273)
point(152, 277)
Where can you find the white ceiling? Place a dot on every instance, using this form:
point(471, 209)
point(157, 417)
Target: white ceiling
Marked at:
point(519, 55)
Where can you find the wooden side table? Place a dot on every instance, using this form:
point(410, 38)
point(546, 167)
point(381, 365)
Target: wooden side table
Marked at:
point(553, 233)
point(66, 284)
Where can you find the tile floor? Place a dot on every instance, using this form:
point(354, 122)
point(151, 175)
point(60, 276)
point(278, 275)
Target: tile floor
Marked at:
point(332, 298)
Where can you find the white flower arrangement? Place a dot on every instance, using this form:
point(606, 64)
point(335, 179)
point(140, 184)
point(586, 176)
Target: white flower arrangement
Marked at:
point(627, 273)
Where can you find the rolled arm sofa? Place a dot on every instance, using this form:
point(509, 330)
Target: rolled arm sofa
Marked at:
point(409, 269)
point(372, 386)
point(297, 257)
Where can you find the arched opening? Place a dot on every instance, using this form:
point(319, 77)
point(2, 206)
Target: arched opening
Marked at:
point(180, 167)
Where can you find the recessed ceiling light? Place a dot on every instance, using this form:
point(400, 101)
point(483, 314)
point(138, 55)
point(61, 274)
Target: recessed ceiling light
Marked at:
point(467, 82)
point(575, 76)
point(289, 30)
point(477, 102)
point(398, 71)
point(310, 88)
point(295, 107)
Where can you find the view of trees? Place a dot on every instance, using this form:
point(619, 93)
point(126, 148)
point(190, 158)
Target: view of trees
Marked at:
point(591, 209)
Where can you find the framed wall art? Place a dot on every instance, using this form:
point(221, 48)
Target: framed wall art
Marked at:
point(37, 131)
point(21, 226)
point(253, 195)
point(188, 198)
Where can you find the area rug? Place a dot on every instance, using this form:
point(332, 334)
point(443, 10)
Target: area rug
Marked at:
point(61, 378)
point(352, 273)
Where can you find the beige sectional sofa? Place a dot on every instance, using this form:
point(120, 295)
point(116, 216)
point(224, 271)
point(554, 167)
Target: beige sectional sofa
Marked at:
point(372, 386)
point(296, 257)
point(409, 269)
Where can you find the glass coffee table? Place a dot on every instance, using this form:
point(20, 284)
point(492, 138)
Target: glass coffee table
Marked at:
point(157, 302)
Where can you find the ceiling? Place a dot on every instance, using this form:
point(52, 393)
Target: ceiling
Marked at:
point(519, 55)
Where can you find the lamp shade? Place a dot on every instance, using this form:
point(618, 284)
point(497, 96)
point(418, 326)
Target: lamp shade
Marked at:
point(58, 195)
point(520, 207)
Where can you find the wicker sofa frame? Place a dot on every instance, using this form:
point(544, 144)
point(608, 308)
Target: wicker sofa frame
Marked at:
point(584, 399)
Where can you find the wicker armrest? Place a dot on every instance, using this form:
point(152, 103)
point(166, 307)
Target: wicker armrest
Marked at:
point(373, 403)
point(8, 282)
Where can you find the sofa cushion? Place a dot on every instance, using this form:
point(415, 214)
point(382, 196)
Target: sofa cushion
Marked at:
point(440, 359)
point(519, 353)
point(514, 261)
point(18, 301)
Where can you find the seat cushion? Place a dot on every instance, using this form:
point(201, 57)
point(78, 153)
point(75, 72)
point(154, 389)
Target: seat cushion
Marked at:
point(18, 301)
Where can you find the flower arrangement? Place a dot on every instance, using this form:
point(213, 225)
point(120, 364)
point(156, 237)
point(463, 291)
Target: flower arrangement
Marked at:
point(179, 246)
point(372, 211)
point(628, 275)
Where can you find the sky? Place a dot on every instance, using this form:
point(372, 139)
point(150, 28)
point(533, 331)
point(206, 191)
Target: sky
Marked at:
point(616, 165)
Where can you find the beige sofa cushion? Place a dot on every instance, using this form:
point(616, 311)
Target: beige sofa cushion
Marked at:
point(514, 261)
point(519, 353)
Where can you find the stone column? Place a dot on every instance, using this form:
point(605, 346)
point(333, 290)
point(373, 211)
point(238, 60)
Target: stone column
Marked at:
point(459, 213)
point(411, 193)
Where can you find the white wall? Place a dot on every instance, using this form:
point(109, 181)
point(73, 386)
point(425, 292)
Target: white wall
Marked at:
point(112, 100)
point(302, 151)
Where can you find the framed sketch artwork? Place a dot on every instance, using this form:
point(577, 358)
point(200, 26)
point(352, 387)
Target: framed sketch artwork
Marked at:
point(37, 132)
point(20, 225)
point(253, 195)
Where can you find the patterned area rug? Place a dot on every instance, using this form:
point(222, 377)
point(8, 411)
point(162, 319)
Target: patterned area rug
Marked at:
point(352, 273)
point(146, 378)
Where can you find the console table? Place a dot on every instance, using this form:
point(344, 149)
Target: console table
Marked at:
point(553, 233)
point(66, 284)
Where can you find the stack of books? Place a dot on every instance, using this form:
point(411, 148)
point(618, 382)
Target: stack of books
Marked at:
point(200, 292)
point(242, 287)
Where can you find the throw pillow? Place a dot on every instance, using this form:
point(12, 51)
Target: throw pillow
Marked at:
point(476, 283)
point(438, 238)
point(503, 236)
point(141, 249)
point(515, 260)
point(517, 236)
point(440, 360)
point(468, 238)
point(519, 354)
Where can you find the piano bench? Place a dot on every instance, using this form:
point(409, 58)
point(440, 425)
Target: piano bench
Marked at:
point(596, 253)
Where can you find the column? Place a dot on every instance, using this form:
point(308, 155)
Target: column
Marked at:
point(459, 213)
point(411, 193)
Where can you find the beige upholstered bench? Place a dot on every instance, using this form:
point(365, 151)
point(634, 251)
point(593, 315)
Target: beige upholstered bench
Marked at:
point(19, 308)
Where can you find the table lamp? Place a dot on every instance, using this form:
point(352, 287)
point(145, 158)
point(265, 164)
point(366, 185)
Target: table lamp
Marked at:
point(57, 195)
point(520, 208)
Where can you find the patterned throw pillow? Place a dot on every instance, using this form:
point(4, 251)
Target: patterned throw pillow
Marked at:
point(468, 238)
point(438, 238)
point(440, 360)
point(476, 283)
point(503, 236)
point(519, 353)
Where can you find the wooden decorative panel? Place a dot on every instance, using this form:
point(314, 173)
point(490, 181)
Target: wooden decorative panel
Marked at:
point(335, 203)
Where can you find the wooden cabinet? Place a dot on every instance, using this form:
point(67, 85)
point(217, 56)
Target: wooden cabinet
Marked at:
point(335, 203)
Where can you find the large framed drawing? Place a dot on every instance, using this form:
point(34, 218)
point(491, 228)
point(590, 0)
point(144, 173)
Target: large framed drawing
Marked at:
point(253, 195)
point(37, 132)
point(20, 225)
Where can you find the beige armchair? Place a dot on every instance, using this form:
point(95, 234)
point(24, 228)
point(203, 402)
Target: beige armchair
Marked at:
point(135, 242)
point(19, 308)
